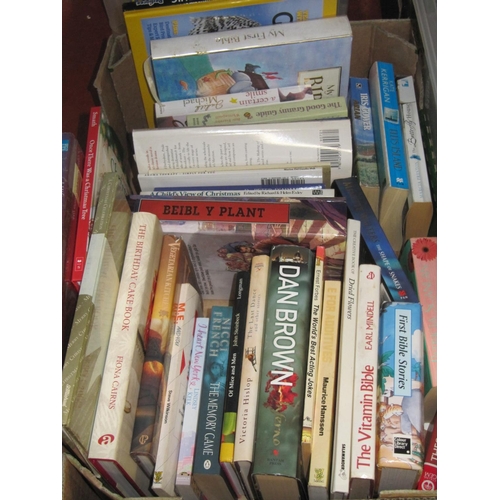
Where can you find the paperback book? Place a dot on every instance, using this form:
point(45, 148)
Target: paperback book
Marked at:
point(145, 25)
point(207, 471)
point(91, 327)
point(187, 308)
point(277, 467)
point(250, 145)
point(363, 139)
point(391, 156)
point(428, 479)
point(117, 403)
point(400, 389)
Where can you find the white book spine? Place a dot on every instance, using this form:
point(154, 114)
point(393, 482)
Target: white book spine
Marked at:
point(184, 314)
point(245, 193)
point(114, 421)
point(183, 482)
point(250, 371)
point(260, 144)
point(365, 381)
point(420, 190)
point(341, 460)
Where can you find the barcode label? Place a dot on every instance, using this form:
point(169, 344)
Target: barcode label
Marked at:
point(330, 138)
point(286, 181)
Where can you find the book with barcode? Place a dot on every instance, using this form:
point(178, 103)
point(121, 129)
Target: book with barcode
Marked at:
point(229, 146)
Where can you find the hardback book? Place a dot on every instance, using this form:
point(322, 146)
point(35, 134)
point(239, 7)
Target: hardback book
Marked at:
point(418, 217)
point(207, 472)
point(312, 354)
point(174, 113)
point(175, 268)
point(255, 57)
point(363, 139)
point(72, 169)
point(103, 154)
point(343, 422)
point(397, 285)
point(91, 327)
point(277, 466)
point(326, 387)
point(146, 25)
point(239, 146)
point(187, 308)
point(308, 175)
point(117, 403)
point(400, 404)
point(250, 371)
point(184, 485)
point(240, 297)
point(391, 156)
point(364, 415)
point(419, 261)
point(428, 479)
point(323, 109)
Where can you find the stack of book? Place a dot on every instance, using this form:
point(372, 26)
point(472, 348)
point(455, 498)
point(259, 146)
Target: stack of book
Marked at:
point(245, 327)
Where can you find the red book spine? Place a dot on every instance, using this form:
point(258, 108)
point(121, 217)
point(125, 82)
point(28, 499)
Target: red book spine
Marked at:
point(428, 479)
point(84, 226)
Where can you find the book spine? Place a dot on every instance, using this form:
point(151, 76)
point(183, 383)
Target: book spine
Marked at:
point(396, 283)
point(280, 401)
point(323, 109)
point(400, 392)
point(326, 386)
point(184, 315)
point(84, 226)
point(251, 192)
point(312, 354)
point(251, 366)
point(341, 456)
point(252, 144)
point(393, 170)
point(184, 485)
point(365, 383)
point(428, 479)
point(363, 138)
point(112, 433)
point(147, 414)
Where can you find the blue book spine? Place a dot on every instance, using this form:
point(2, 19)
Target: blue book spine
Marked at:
point(396, 283)
point(387, 126)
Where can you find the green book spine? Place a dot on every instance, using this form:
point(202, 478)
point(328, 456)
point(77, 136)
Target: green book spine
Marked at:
point(304, 110)
point(284, 359)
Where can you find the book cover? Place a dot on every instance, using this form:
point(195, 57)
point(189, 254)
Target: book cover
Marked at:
point(187, 308)
point(343, 423)
point(223, 236)
point(326, 108)
point(236, 355)
point(396, 284)
point(114, 421)
point(252, 144)
point(419, 212)
point(250, 370)
point(144, 26)
point(91, 328)
point(419, 261)
point(364, 415)
point(255, 57)
point(207, 471)
point(312, 354)
point(277, 466)
point(428, 479)
point(391, 156)
point(174, 113)
point(184, 485)
point(326, 388)
point(363, 140)
point(175, 268)
point(103, 154)
point(400, 389)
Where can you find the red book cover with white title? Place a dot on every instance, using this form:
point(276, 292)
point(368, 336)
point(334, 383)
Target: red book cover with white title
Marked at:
point(428, 479)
